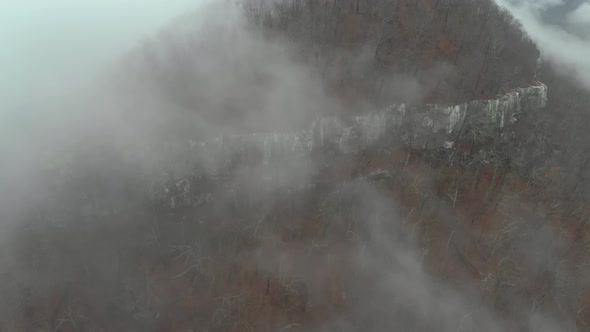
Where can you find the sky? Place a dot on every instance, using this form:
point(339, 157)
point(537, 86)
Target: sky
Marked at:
point(581, 16)
point(50, 47)
point(563, 36)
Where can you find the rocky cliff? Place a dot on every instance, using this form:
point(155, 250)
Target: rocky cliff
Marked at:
point(421, 127)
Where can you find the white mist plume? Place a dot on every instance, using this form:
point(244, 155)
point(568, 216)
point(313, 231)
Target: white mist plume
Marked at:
point(209, 78)
point(567, 51)
point(51, 50)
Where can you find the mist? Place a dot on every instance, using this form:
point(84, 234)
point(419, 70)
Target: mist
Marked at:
point(175, 167)
point(561, 34)
point(53, 53)
point(50, 48)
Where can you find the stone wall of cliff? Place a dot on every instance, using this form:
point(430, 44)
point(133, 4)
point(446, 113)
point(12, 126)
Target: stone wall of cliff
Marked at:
point(429, 125)
point(424, 127)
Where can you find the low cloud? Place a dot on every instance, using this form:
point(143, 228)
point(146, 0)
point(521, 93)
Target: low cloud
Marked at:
point(78, 182)
point(581, 16)
point(563, 45)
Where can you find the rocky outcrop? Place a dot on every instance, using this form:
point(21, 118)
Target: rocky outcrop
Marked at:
point(429, 126)
point(422, 127)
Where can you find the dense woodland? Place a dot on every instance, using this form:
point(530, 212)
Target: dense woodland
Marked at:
point(457, 50)
point(492, 235)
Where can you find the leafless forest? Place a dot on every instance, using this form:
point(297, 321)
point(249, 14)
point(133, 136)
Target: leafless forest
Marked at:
point(308, 165)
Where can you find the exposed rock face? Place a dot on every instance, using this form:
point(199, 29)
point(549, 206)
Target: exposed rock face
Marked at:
point(439, 125)
point(429, 126)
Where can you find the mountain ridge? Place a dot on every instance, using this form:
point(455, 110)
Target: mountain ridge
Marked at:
point(280, 172)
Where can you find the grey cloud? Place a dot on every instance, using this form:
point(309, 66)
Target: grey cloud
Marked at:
point(561, 46)
point(581, 16)
point(129, 112)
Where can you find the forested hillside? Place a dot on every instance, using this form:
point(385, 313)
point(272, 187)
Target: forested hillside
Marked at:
point(318, 165)
point(455, 50)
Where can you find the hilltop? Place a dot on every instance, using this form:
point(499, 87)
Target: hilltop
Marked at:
point(317, 166)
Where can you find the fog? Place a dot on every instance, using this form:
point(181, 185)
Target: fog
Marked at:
point(53, 52)
point(51, 47)
point(561, 34)
point(137, 186)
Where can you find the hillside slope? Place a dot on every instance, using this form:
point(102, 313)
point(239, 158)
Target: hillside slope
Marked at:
point(455, 50)
point(315, 166)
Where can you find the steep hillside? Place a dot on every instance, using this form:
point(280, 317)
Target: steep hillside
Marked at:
point(454, 50)
point(315, 166)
